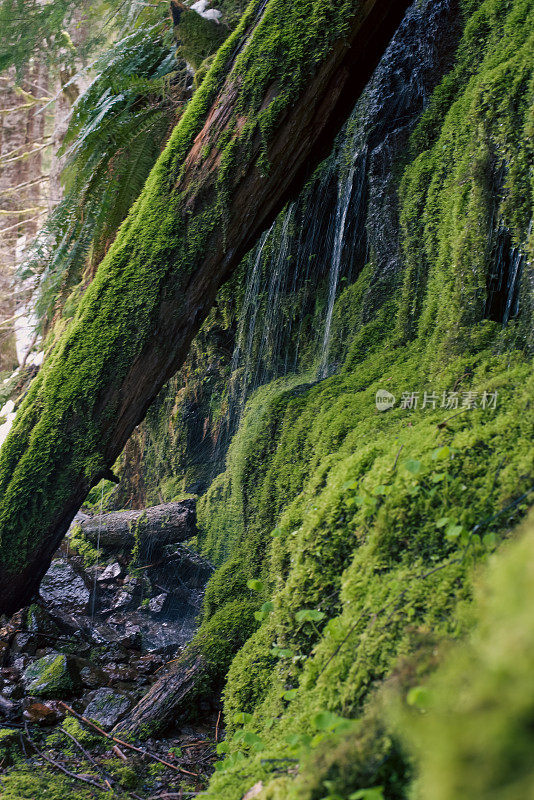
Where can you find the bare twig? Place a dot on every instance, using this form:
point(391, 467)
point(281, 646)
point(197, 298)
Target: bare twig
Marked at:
point(397, 457)
point(217, 726)
point(118, 752)
point(140, 750)
point(87, 755)
point(63, 769)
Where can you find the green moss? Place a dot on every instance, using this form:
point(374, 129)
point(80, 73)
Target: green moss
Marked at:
point(469, 181)
point(57, 438)
point(378, 521)
point(51, 676)
point(198, 38)
point(83, 547)
point(474, 736)
point(24, 783)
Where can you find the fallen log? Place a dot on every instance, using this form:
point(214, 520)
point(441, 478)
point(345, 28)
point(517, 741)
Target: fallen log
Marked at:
point(149, 529)
point(265, 115)
point(169, 699)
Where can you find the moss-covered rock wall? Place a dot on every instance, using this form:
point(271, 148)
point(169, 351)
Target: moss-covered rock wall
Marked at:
point(348, 538)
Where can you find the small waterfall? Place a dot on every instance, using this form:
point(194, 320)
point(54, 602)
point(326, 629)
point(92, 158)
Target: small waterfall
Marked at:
point(347, 192)
point(512, 285)
point(502, 291)
point(242, 354)
point(320, 243)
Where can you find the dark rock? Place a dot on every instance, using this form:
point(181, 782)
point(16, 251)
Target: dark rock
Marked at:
point(121, 673)
point(63, 589)
point(110, 573)
point(107, 707)
point(92, 676)
point(55, 675)
point(13, 691)
point(122, 600)
point(39, 621)
point(8, 708)
point(24, 642)
point(156, 605)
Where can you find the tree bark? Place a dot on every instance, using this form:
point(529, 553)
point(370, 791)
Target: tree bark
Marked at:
point(169, 699)
point(170, 523)
point(264, 117)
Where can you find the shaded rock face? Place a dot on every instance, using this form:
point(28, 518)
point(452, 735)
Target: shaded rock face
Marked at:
point(62, 588)
point(420, 53)
point(107, 707)
point(54, 675)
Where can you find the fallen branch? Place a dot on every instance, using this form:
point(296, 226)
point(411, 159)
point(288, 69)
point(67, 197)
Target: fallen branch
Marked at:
point(63, 769)
point(107, 778)
point(140, 750)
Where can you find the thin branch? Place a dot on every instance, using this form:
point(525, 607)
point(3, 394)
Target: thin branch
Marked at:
point(63, 769)
point(25, 155)
point(18, 224)
point(146, 753)
point(24, 185)
point(17, 211)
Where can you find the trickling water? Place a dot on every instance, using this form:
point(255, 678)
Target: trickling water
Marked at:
point(349, 210)
point(345, 195)
point(512, 285)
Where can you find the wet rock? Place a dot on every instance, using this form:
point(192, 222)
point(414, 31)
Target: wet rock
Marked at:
point(24, 642)
point(132, 636)
point(148, 664)
point(107, 707)
point(122, 600)
point(4, 652)
point(110, 573)
point(19, 663)
point(92, 676)
point(13, 691)
point(38, 620)
point(63, 589)
point(55, 675)
point(43, 713)
point(156, 605)
point(8, 708)
point(121, 673)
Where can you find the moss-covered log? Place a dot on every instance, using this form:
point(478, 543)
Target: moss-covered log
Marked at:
point(169, 523)
point(264, 116)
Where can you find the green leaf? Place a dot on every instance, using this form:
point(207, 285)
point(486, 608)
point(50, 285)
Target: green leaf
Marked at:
point(256, 585)
point(413, 466)
point(374, 793)
point(441, 453)
point(453, 532)
point(418, 696)
point(327, 721)
point(381, 490)
point(268, 607)
point(253, 740)
point(442, 522)
point(290, 694)
point(309, 615)
point(222, 748)
point(241, 718)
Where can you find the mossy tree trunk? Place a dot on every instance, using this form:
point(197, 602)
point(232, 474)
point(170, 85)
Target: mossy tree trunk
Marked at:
point(265, 115)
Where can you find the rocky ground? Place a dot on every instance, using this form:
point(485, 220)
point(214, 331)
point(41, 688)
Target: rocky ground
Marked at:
point(75, 662)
